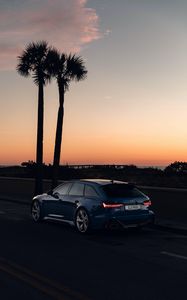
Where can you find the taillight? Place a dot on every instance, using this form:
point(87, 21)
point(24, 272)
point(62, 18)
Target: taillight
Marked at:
point(147, 203)
point(112, 205)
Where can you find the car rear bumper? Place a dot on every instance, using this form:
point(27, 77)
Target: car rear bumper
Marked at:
point(116, 223)
point(124, 221)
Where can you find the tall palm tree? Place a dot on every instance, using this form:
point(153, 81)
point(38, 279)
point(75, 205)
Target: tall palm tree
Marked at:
point(64, 68)
point(33, 63)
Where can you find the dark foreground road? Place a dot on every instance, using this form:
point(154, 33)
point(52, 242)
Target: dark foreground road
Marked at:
point(52, 261)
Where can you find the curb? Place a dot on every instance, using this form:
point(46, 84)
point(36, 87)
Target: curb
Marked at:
point(171, 228)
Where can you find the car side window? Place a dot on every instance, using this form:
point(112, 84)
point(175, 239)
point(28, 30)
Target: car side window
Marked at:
point(90, 191)
point(77, 189)
point(62, 189)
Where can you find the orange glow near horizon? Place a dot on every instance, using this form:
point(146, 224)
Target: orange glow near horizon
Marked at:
point(89, 140)
point(92, 150)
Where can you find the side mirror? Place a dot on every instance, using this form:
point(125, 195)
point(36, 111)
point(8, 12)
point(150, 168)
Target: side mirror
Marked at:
point(56, 195)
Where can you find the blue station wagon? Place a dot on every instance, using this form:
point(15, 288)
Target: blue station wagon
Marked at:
point(94, 204)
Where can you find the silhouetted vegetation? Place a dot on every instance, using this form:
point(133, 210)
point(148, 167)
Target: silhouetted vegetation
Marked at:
point(178, 167)
point(64, 68)
point(171, 176)
point(32, 62)
point(42, 63)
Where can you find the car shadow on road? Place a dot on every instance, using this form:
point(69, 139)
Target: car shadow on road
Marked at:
point(101, 236)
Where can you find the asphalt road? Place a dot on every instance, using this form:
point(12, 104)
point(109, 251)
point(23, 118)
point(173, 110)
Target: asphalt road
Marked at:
point(53, 261)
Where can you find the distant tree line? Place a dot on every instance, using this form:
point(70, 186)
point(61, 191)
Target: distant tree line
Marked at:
point(174, 175)
point(176, 167)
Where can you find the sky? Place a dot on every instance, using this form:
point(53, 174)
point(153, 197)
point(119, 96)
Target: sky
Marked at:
point(131, 108)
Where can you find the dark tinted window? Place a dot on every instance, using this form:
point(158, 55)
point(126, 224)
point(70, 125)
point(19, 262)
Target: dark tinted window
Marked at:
point(62, 189)
point(77, 189)
point(121, 191)
point(90, 191)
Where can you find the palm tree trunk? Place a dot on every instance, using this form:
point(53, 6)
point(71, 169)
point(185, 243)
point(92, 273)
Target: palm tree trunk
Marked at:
point(39, 147)
point(58, 140)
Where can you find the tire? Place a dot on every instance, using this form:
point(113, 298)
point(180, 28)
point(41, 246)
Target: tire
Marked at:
point(82, 221)
point(36, 211)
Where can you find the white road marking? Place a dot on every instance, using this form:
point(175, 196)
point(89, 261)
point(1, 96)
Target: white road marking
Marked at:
point(174, 255)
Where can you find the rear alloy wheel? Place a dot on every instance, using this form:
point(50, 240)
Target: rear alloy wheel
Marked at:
point(82, 221)
point(36, 211)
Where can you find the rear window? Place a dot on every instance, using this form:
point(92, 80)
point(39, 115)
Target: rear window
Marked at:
point(121, 191)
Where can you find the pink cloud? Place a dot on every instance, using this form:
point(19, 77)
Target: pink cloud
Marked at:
point(68, 25)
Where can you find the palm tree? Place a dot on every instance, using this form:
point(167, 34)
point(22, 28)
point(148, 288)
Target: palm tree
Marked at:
point(64, 68)
point(33, 63)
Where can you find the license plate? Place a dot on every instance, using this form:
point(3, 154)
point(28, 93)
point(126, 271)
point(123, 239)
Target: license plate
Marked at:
point(132, 207)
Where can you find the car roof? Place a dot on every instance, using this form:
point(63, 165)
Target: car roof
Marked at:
point(103, 181)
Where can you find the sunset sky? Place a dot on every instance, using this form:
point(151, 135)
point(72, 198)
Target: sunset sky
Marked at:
point(131, 109)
